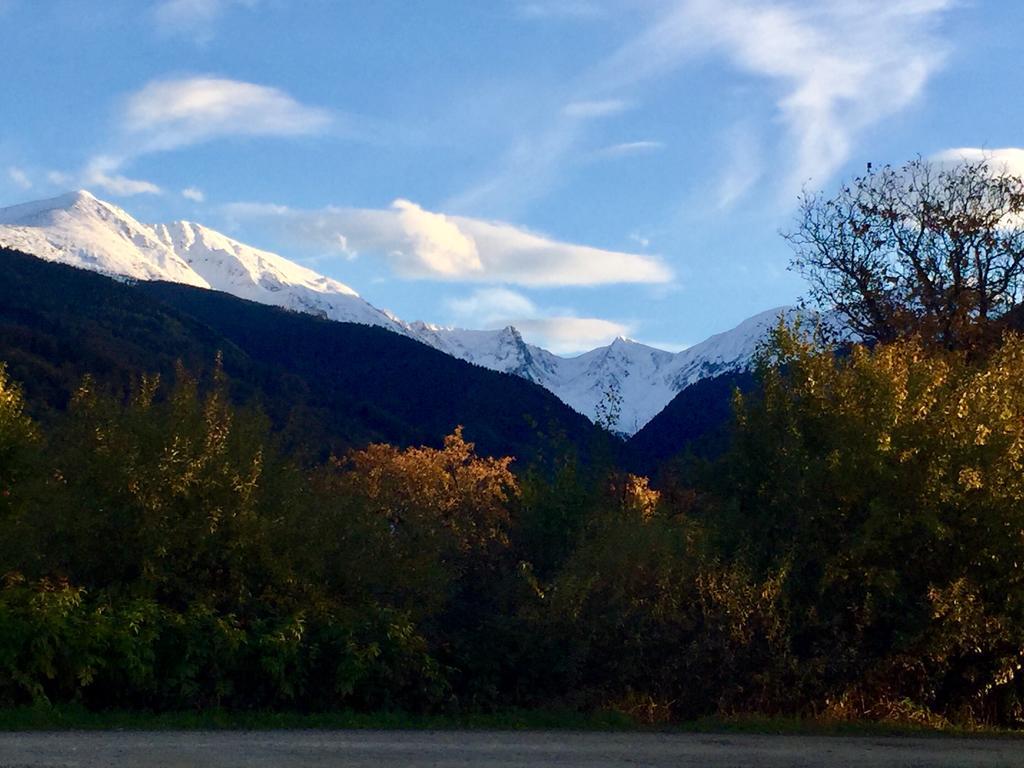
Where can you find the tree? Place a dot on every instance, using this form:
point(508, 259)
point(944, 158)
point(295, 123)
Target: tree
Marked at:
point(887, 487)
point(608, 410)
point(930, 250)
point(19, 449)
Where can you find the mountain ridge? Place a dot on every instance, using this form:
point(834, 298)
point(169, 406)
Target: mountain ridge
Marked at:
point(623, 384)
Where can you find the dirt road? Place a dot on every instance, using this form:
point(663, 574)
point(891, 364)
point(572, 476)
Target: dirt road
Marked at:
point(285, 749)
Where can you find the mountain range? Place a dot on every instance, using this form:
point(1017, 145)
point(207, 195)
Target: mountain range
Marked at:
point(623, 385)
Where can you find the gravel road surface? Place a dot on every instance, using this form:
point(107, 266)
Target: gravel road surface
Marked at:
point(381, 749)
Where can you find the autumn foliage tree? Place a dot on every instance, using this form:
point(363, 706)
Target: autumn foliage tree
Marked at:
point(449, 492)
point(888, 488)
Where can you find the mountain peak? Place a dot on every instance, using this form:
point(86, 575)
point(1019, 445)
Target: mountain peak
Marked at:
point(28, 212)
point(78, 199)
point(68, 199)
point(81, 195)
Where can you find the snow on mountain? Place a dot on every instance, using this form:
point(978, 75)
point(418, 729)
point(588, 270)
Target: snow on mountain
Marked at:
point(725, 352)
point(79, 230)
point(249, 273)
point(82, 231)
point(502, 350)
point(624, 384)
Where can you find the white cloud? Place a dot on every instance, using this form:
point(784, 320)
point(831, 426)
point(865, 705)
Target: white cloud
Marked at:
point(101, 172)
point(1006, 160)
point(842, 65)
point(417, 243)
point(555, 329)
point(175, 113)
point(167, 114)
point(59, 178)
point(433, 244)
point(19, 177)
point(194, 194)
point(492, 307)
point(838, 67)
point(194, 18)
point(566, 335)
point(631, 148)
point(590, 109)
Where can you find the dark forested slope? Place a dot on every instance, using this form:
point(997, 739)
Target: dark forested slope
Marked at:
point(337, 385)
point(697, 419)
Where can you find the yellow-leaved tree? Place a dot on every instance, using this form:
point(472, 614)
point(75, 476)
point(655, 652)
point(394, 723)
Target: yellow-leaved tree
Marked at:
point(887, 485)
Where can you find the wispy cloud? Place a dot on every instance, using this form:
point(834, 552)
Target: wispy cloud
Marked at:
point(194, 194)
point(556, 329)
point(743, 169)
point(421, 244)
point(526, 171)
point(102, 173)
point(19, 177)
point(839, 67)
point(166, 114)
point(630, 148)
point(174, 113)
point(843, 65)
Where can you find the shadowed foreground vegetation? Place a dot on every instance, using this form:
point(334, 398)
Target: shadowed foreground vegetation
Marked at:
point(855, 554)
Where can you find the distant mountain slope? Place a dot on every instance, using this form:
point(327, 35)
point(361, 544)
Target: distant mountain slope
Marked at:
point(697, 420)
point(80, 230)
point(338, 385)
point(250, 273)
point(644, 378)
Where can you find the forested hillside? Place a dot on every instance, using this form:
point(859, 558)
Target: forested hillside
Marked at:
point(330, 385)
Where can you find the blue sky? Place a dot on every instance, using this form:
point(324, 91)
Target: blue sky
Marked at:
point(580, 168)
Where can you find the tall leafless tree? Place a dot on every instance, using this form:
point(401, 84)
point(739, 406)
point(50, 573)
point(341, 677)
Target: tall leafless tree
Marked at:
point(926, 249)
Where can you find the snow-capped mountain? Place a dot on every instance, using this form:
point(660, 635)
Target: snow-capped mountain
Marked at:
point(80, 230)
point(500, 350)
point(624, 384)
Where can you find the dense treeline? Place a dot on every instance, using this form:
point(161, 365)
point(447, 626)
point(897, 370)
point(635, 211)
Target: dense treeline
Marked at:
point(856, 552)
point(854, 548)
